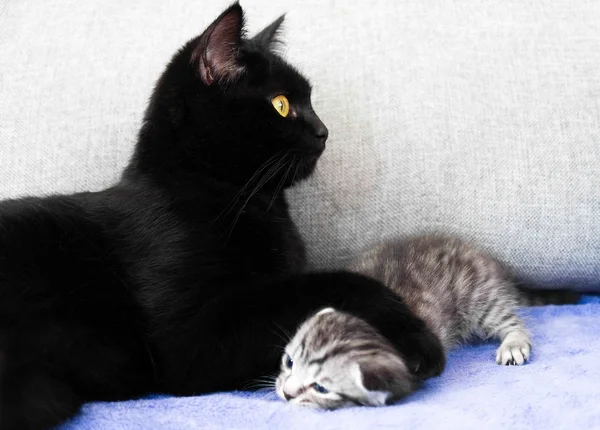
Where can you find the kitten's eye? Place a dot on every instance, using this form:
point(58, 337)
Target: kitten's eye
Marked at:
point(319, 388)
point(281, 105)
point(289, 362)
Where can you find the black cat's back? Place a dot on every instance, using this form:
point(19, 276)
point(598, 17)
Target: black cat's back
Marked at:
point(68, 324)
point(51, 242)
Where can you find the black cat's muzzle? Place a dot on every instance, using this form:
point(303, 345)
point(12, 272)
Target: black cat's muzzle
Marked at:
point(317, 130)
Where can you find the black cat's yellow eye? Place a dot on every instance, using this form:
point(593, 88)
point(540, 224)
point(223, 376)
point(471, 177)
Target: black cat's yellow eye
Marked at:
point(281, 105)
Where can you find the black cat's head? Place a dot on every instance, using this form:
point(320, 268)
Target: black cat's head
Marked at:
point(231, 108)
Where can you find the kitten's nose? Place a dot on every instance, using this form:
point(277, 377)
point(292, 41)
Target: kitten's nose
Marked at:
point(287, 396)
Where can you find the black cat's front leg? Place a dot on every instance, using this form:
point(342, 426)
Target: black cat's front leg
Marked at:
point(238, 335)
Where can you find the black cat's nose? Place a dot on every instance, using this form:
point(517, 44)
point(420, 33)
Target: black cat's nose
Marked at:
point(318, 128)
point(322, 133)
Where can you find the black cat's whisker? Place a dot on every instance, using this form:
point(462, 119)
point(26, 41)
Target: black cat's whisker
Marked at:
point(281, 183)
point(283, 338)
point(298, 165)
point(287, 336)
point(278, 347)
point(262, 181)
point(266, 178)
point(229, 207)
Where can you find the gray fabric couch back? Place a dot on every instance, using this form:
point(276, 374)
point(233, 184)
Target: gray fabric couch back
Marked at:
point(477, 118)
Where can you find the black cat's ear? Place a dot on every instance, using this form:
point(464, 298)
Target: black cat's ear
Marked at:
point(216, 54)
point(269, 36)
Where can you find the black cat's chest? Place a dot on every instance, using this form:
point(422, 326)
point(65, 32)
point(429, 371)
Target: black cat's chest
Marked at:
point(265, 243)
point(219, 245)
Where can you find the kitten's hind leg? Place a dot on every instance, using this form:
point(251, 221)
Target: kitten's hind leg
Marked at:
point(504, 324)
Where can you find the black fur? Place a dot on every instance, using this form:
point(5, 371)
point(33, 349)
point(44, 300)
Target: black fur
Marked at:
point(178, 278)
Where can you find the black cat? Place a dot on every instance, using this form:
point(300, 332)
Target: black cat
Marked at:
point(178, 278)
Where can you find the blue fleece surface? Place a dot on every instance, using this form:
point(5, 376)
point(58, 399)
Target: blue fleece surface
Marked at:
point(558, 389)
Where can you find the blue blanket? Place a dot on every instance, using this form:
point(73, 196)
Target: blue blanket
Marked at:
point(558, 389)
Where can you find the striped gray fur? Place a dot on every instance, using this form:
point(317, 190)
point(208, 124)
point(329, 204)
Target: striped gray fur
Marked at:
point(460, 292)
point(345, 355)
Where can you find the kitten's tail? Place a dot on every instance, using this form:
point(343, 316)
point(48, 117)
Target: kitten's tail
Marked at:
point(530, 296)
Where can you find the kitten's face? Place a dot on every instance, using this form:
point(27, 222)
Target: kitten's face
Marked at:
point(337, 360)
point(237, 108)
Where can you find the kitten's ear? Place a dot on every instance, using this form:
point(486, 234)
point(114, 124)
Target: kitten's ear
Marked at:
point(269, 36)
point(384, 377)
point(216, 53)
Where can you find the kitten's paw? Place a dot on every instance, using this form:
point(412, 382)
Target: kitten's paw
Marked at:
point(513, 352)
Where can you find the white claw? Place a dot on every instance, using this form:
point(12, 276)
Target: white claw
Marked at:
point(513, 351)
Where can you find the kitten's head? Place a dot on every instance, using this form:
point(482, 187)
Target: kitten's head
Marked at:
point(228, 106)
point(336, 360)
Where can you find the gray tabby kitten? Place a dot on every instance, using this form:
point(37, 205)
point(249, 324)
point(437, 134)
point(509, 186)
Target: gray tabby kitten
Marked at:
point(336, 359)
